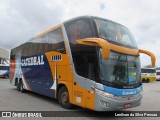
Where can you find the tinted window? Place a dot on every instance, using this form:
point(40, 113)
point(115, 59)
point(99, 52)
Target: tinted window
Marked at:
point(148, 70)
point(4, 67)
point(78, 30)
point(52, 41)
point(56, 42)
point(115, 33)
point(85, 66)
point(25, 49)
point(84, 59)
point(158, 73)
point(157, 68)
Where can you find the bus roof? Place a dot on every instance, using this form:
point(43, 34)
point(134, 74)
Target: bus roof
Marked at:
point(65, 22)
point(71, 20)
point(88, 17)
point(46, 31)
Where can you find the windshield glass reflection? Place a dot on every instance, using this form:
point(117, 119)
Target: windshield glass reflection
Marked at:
point(120, 69)
point(116, 33)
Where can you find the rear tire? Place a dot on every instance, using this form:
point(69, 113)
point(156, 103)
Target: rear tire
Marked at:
point(147, 81)
point(22, 87)
point(18, 85)
point(63, 98)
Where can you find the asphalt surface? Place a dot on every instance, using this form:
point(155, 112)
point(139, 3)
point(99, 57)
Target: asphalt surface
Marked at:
point(13, 100)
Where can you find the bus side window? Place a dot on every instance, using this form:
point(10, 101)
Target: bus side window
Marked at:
point(56, 42)
point(79, 62)
point(40, 48)
point(46, 45)
point(34, 48)
point(43, 41)
point(35, 45)
point(78, 30)
point(85, 66)
point(25, 50)
point(30, 47)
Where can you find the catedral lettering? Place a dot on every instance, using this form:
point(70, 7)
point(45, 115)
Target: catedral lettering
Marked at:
point(38, 60)
point(129, 93)
point(87, 61)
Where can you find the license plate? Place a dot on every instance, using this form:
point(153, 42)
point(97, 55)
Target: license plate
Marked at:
point(128, 105)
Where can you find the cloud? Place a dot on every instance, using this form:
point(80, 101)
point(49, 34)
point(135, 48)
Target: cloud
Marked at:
point(21, 20)
point(102, 6)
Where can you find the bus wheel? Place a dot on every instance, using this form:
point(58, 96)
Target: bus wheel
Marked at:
point(147, 81)
point(143, 80)
point(6, 76)
point(63, 97)
point(21, 86)
point(18, 85)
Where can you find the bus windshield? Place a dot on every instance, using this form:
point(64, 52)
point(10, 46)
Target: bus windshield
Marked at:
point(158, 73)
point(145, 70)
point(120, 69)
point(115, 33)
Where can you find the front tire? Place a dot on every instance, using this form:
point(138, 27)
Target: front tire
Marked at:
point(63, 98)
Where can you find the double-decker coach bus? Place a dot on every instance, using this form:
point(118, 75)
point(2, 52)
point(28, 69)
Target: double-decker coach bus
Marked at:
point(87, 61)
point(158, 74)
point(148, 75)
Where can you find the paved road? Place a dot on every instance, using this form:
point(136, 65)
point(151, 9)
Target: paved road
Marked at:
point(13, 100)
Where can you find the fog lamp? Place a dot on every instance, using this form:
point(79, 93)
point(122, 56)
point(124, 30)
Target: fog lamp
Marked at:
point(104, 103)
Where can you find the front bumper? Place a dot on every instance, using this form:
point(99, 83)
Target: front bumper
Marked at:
point(117, 102)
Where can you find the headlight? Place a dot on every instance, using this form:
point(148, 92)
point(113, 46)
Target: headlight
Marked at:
point(103, 93)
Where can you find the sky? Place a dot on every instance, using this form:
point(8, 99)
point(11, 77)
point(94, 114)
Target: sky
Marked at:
point(20, 20)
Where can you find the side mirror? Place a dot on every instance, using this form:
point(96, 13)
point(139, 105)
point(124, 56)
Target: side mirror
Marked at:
point(97, 42)
point(153, 58)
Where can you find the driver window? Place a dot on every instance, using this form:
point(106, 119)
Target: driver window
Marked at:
point(85, 66)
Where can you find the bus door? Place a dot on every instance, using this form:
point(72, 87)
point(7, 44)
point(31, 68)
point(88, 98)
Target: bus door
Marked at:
point(84, 96)
point(90, 80)
point(90, 95)
point(85, 68)
point(79, 83)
